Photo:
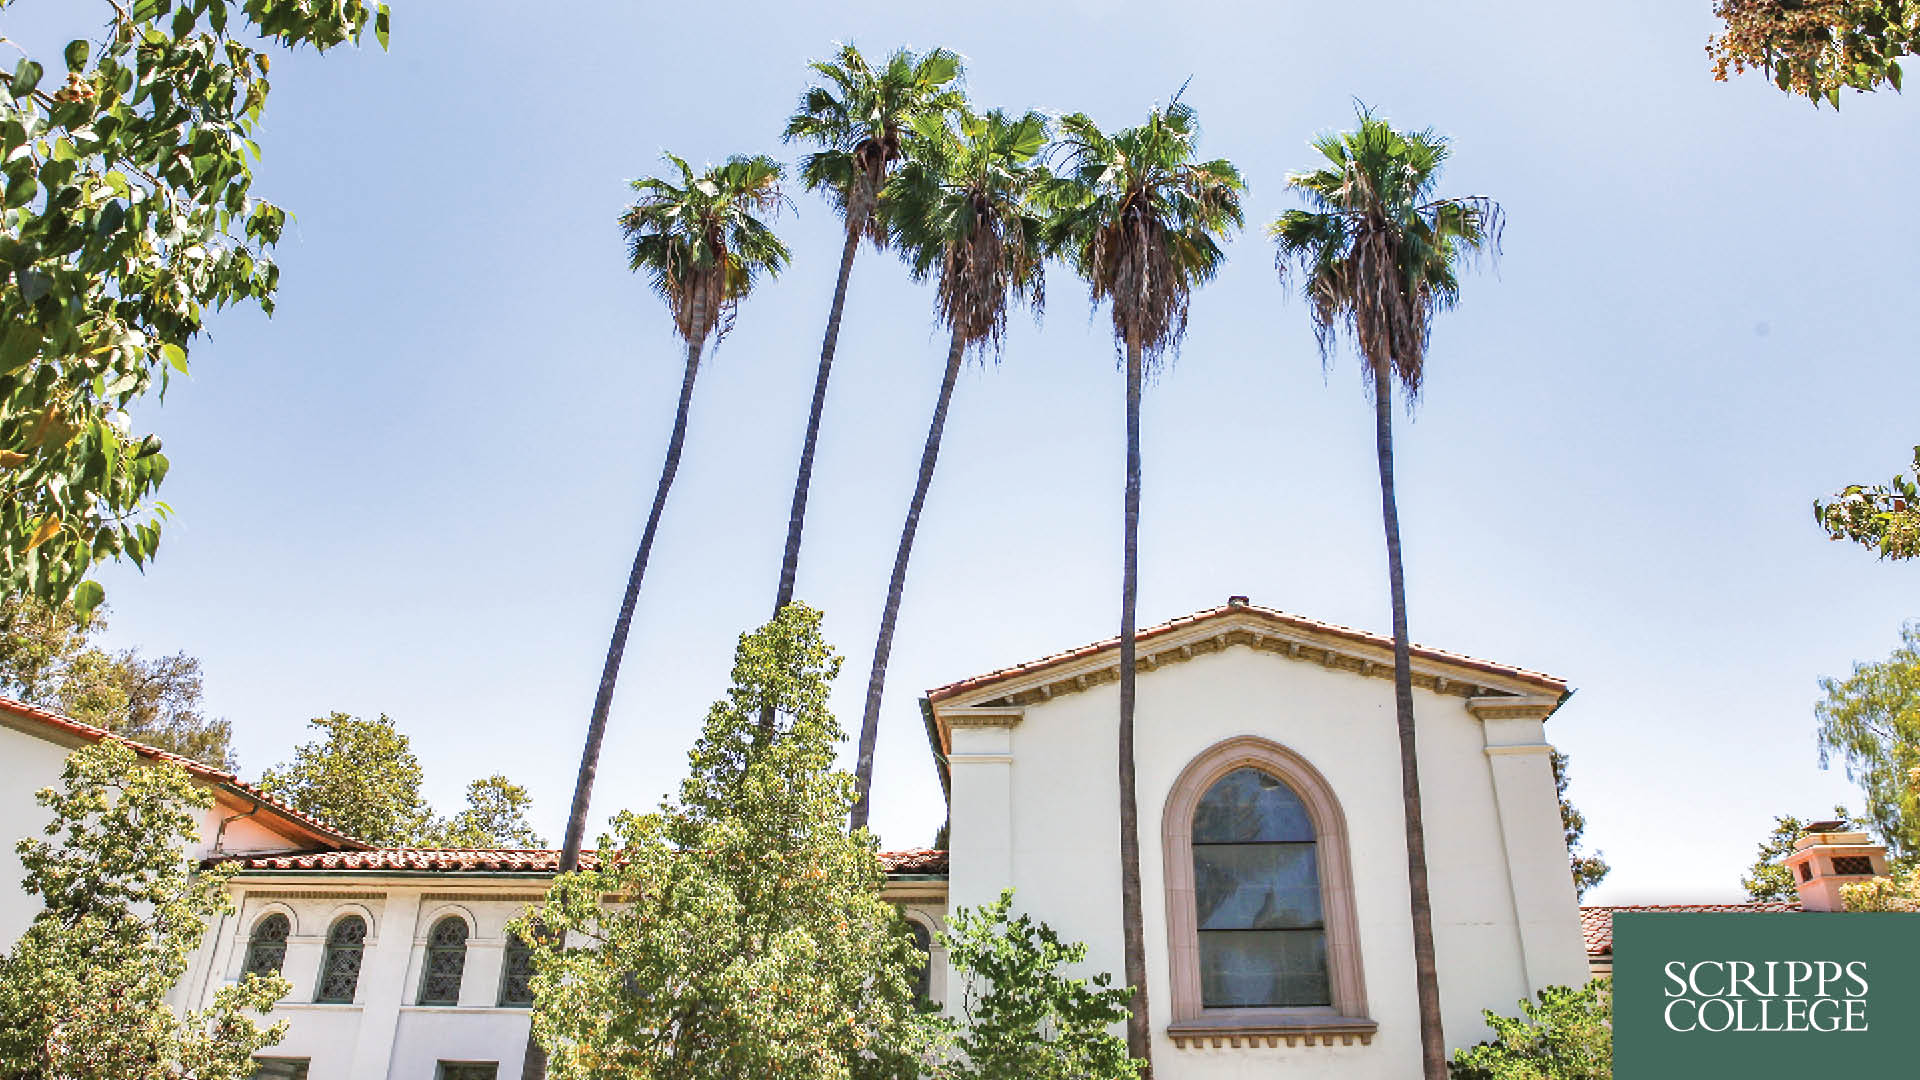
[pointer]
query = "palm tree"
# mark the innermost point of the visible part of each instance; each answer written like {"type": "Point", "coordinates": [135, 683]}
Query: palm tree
{"type": "Point", "coordinates": [858, 117]}
{"type": "Point", "coordinates": [703, 247]}
{"type": "Point", "coordinates": [960, 212]}
{"type": "Point", "coordinates": [1378, 255]}
{"type": "Point", "coordinates": [1140, 219]}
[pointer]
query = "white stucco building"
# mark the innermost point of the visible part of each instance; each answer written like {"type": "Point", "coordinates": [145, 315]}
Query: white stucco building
{"type": "Point", "coordinates": [1273, 858]}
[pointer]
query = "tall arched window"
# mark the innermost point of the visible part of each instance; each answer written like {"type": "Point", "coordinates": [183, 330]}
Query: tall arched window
{"type": "Point", "coordinates": [446, 962]}
{"type": "Point", "coordinates": [1261, 926]}
{"type": "Point", "coordinates": [340, 966]}
{"type": "Point", "coordinates": [516, 974]}
{"type": "Point", "coordinates": [923, 961]}
{"type": "Point", "coordinates": [1263, 941]}
{"type": "Point", "coordinates": [267, 947]}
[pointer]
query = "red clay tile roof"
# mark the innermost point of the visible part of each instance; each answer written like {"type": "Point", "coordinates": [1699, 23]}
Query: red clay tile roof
{"type": "Point", "coordinates": [46, 718]}
{"type": "Point", "coordinates": [1286, 619]}
{"type": "Point", "coordinates": [499, 860]}
{"type": "Point", "coordinates": [1596, 923]}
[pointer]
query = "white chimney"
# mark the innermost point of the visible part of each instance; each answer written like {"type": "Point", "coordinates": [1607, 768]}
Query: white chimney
{"type": "Point", "coordinates": [1824, 861]}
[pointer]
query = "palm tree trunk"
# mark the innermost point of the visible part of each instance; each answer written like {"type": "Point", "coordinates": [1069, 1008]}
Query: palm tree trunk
{"type": "Point", "coordinates": [1139, 1030]}
{"type": "Point", "coordinates": [803, 482]}
{"type": "Point", "coordinates": [535, 1063]}
{"type": "Point", "coordinates": [1433, 1042]}
{"type": "Point", "coordinates": [883, 645]}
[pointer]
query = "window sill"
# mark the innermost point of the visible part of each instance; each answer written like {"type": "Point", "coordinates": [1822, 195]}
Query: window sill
{"type": "Point", "coordinates": [1253, 1029]}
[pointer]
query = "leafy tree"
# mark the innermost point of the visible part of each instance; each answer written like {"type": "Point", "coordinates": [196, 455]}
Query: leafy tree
{"type": "Point", "coordinates": [961, 212]}
{"type": "Point", "coordinates": [1768, 880]}
{"type": "Point", "coordinates": [859, 116]}
{"type": "Point", "coordinates": [495, 817]}
{"type": "Point", "coordinates": [751, 938]}
{"type": "Point", "coordinates": [83, 993]}
{"type": "Point", "coordinates": [1885, 517]}
{"type": "Point", "coordinates": [1871, 721]}
{"type": "Point", "coordinates": [703, 247]}
{"type": "Point", "coordinates": [1564, 1034]}
{"type": "Point", "coordinates": [47, 659]}
{"type": "Point", "coordinates": [129, 212]}
{"type": "Point", "coordinates": [1899, 892]}
{"type": "Point", "coordinates": [360, 776]}
{"type": "Point", "coordinates": [1140, 218]}
{"type": "Point", "coordinates": [1816, 47]}
{"type": "Point", "coordinates": [1588, 870]}
{"type": "Point", "coordinates": [1378, 254]}
{"type": "Point", "coordinates": [1020, 1018]}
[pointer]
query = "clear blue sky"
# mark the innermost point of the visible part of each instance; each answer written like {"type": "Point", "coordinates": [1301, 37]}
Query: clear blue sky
{"type": "Point", "coordinates": [416, 489]}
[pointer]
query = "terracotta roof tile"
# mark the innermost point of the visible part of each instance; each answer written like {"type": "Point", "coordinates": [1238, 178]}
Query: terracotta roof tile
{"type": "Point", "coordinates": [220, 777]}
{"type": "Point", "coordinates": [1299, 622]}
{"type": "Point", "coordinates": [498, 860]}
{"type": "Point", "coordinates": [1596, 923]}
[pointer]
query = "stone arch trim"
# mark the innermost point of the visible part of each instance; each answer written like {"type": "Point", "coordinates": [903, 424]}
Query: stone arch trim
{"type": "Point", "coordinates": [266, 908]}
{"type": "Point", "coordinates": [447, 911]}
{"type": "Point", "coordinates": [1195, 1024]}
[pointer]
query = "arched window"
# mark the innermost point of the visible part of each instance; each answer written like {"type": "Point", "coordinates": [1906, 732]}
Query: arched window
{"type": "Point", "coordinates": [340, 966]}
{"type": "Point", "coordinates": [516, 974]}
{"type": "Point", "coordinates": [267, 948]}
{"type": "Point", "coordinates": [1260, 916]}
{"type": "Point", "coordinates": [446, 962]}
{"type": "Point", "coordinates": [1263, 941]}
{"type": "Point", "coordinates": [923, 970]}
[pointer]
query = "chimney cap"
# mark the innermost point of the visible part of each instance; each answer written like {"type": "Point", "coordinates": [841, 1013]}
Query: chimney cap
{"type": "Point", "coordinates": [1823, 827]}
{"type": "Point", "coordinates": [1237, 600]}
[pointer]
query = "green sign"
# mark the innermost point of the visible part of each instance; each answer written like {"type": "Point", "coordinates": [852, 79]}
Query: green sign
{"type": "Point", "coordinates": [1765, 994]}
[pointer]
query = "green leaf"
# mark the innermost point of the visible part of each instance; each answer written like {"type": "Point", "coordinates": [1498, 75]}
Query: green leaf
{"type": "Point", "coordinates": [176, 356]}
{"type": "Point", "coordinates": [1893, 75]}
{"type": "Point", "coordinates": [77, 50]}
{"type": "Point", "coordinates": [381, 21]}
{"type": "Point", "coordinates": [85, 599]}
{"type": "Point", "coordinates": [26, 77]}
{"type": "Point", "coordinates": [21, 189]}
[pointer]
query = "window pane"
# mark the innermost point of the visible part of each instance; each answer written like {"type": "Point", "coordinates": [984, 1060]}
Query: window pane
{"type": "Point", "coordinates": [1256, 886]}
{"type": "Point", "coordinates": [1243, 968]}
{"type": "Point", "coordinates": [1249, 806]}
{"type": "Point", "coordinates": [469, 1070]}
{"type": "Point", "coordinates": [516, 974]}
{"type": "Point", "coordinates": [446, 962]}
{"type": "Point", "coordinates": [267, 949]}
{"type": "Point", "coordinates": [923, 968]}
{"type": "Point", "coordinates": [340, 968]}
{"type": "Point", "coordinates": [279, 1069]}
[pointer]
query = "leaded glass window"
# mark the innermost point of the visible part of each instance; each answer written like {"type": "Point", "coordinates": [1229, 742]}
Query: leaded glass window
{"type": "Point", "coordinates": [923, 961]}
{"type": "Point", "coordinates": [1263, 939]}
{"type": "Point", "coordinates": [446, 962]}
{"type": "Point", "coordinates": [467, 1070]}
{"type": "Point", "coordinates": [267, 948]}
{"type": "Point", "coordinates": [340, 967]}
{"type": "Point", "coordinates": [516, 974]}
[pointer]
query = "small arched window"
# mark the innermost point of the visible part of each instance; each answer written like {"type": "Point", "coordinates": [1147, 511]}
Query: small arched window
{"type": "Point", "coordinates": [267, 948]}
{"type": "Point", "coordinates": [923, 962]}
{"type": "Point", "coordinates": [446, 962]}
{"type": "Point", "coordinates": [516, 974]}
{"type": "Point", "coordinates": [340, 966]}
{"type": "Point", "coordinates": [1256, 878]}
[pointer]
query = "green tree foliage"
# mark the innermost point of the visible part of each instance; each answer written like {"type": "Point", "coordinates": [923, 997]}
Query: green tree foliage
{"type": "Point", "coordinates": [129, 213]}
{"type": "Point", "coordinates": [360, 776]}
{"type": "Point", "coordinates": [1588, 870]}
{"type": "Point", "coordinates": [1899, 892]}
{"type": "Point", "coordinates": [1020, 1017]}
{"type": "Point", "coordinates": [750, 939]}
{"type": "Point", "coordinates": [495, 817]}
{"type": "Point", "coordinates": [1564, 1034]}
{"type": "Point", "coordinates": [1816, 47]}
{"type": "Point", "coordinates": [1885, 517]}
{"type": "Point", "coordinates": [47, 659]}
{"type": "Point", "coordinates": [1871, 721]}
{"type": "Point", "coordinates": [83, 993]}
{"type": "Point", "coordinates": [1768, 880]}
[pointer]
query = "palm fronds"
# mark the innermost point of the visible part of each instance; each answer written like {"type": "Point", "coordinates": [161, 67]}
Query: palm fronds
{"type": "Point", "coordinates": [702, 242]}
